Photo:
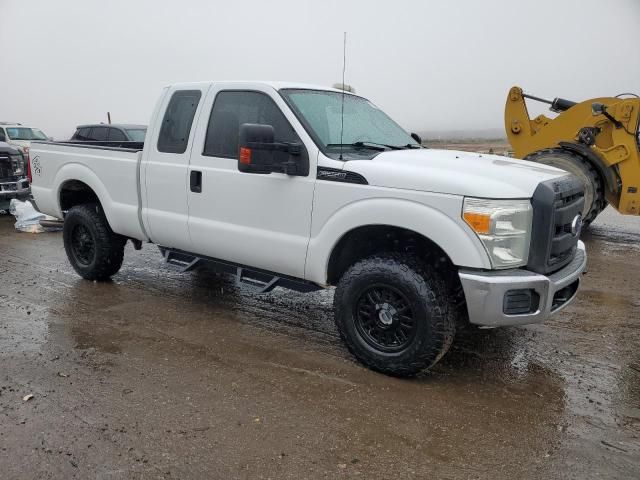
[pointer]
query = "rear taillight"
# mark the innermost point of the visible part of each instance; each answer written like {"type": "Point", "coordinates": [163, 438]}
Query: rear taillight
{"type": "Point", "coordinates": [29, 168]}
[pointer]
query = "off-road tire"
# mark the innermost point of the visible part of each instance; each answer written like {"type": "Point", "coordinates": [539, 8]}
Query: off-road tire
{"type": "Point", "coordinates": [433, 306]}
{"type": "Point", "coordinates": [594, 198]}
{"type": "Point", "coordinates": [108, 247]}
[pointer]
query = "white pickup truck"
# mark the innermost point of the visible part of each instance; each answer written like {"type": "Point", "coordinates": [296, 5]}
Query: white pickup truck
{"type": "Point", "coordinates": [307, 187]}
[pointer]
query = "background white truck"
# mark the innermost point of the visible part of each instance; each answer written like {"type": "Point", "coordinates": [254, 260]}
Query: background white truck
{"type": "Point", "coordinates": [307, 187]}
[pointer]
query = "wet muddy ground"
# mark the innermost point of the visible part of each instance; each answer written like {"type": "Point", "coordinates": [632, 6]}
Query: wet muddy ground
{"type": "Point", "coordinates": [159, 374]}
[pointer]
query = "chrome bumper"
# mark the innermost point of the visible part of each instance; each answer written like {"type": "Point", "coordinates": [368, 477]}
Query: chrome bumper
{"type": "Point", "coordinates": [485, 292]}
{"type": "Point", "coordinates": [6, 193]}
{"type": "Point", "coordinates": [13, 189]}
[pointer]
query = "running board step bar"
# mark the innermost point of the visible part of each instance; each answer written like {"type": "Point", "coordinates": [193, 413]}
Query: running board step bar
{"type": "Point", "coordinates": [244, 278]}
{"type": "Point", "coordinates": [259, 281]}
{"type": "Point", "coordinates": [184, 262]}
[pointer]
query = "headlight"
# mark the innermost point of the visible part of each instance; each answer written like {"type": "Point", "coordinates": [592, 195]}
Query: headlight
{"type": "Point", "coordinates": [17, 164]}
{"type": "Point", "coordinates": [504, 228]}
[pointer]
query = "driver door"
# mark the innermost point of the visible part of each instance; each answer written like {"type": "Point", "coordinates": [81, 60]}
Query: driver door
{"type": "Point", "coordinates": [258, 220]}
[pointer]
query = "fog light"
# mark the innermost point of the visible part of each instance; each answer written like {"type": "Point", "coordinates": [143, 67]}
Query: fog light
{"type": "Point", "coordinates": [520, 302]}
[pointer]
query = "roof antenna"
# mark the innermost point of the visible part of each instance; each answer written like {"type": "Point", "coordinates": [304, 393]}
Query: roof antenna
{"type": "Point", "coordinates": [344, 66]}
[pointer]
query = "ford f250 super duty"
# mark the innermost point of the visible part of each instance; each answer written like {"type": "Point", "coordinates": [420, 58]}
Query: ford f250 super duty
{"type": "Point", "coordinates": [307, 187]}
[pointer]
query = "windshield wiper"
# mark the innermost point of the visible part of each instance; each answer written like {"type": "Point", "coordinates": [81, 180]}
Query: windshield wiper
{"type": "Point", "coordinates": [367, 143]}
{"type": "Point", "coordinates": [380, 147]}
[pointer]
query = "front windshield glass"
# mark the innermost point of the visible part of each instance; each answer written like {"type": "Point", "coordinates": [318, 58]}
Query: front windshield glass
{"type": "Point", "coordinates": [137, 134]}
{"type": "Point", "coordinates": [24, 133]}
{"type": "Point", "coordinates": [367, 129]}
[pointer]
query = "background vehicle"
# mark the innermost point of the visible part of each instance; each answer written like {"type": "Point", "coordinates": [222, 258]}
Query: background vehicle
{"type": "Point", "coordinates": [261, 181]}
{"type": "Point", "coordinates": [110, 133]}
{"type": "Point", "coordinates": [13, 176]}
{"type": "Point", "coordinates": [597, 140]}
{"type": "Point", "coordinates": [20, 136]}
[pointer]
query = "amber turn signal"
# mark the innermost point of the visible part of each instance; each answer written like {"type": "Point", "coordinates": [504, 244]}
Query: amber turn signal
{"type": "Point", "coordinates": [245, 155]}
{"type": "Point", "coordinates": [481, 223]}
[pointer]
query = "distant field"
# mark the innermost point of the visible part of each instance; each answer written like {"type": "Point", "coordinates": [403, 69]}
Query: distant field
{"type": "Point", "coordinates": [498, 146]}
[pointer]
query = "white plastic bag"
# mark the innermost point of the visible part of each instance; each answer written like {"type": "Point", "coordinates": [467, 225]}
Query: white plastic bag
{"type": "Point", "coordinates": [27, 217]}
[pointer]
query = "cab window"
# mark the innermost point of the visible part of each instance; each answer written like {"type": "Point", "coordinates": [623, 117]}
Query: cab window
{"type": "Point", "coordinates": [99, 134]}
{"type": "Point", "coordinates": [82, 134]}
{"type": "Point", "coordinates": [116, 135]}
{"type": "Point", "coordinates": [177, 121]}
{"type": "Point", "coordinates": [231, 109]}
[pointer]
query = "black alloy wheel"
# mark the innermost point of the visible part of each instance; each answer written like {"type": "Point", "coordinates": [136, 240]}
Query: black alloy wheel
{"type": "Point", "coordinates": [384, 318]}
{"type": "Point", "coordinates": [93, 249]}
{"type": "Point", "coordinates": [83, 245]}
{"type": "Point", "coordinates": [395, 313]}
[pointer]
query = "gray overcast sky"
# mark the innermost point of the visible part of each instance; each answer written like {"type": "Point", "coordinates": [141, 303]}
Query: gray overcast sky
{"type": "Point", "coordinates": [432, 65]}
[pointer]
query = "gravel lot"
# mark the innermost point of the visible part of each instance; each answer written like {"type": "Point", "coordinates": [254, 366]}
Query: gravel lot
{"type": "Point", "coordinates": [159, 374]}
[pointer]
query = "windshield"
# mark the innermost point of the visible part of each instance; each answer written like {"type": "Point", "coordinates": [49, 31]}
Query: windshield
{"type": "Point", "coordinates": [25, 133]}
{"type": "Point", "coordinates": [136, 134]}
{"type": "Point", "coordinates": [367, 129]}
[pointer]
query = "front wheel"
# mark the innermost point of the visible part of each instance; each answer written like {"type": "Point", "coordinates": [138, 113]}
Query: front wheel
{"type": "Point", "coordinates": [93, 249]}
{"type": "Point", "coordinates": [394, 314]}
{"type": "Point", "coordinates": [594, 198]}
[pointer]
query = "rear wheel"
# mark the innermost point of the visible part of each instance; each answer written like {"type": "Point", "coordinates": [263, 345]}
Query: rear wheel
{"type": "Point", "coordinates": [93, 249]}
{"type": "Point", "coordinates": [395, 314]}
{"type": "Point", "coordinates": [594, 199]}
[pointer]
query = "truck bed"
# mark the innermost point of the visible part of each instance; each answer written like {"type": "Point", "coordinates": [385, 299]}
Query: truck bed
{"type": "Point", "coordinates": [110, 169]}
{"type": "Point", "coordinates": [104, 145]}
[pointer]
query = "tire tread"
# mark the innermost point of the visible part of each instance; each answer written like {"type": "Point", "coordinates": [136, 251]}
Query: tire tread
{"type": "Point", "coordinates": [109, 245]}
{"type": "Point", "coordinates": [421, 355]}
{"type": "Point", "coordinates": [599, 200]}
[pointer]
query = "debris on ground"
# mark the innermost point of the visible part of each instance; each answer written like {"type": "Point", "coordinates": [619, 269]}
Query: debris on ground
{"type": "Point", "coordinates": [29, 220]}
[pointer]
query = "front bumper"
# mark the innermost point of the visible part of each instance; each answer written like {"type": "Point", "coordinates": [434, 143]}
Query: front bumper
{"type": "Point", "coordinates": [10, 190]}
{"type": "Point", "coordinates": [487, 299]}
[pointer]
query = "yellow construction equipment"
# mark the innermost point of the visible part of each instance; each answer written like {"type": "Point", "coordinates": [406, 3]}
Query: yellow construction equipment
{"type": "Point", "coordinates": [598, 140]}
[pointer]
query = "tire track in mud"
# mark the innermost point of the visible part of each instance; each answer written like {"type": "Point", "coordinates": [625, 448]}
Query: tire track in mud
{"type": "Point", "coordinates": [310, 311]}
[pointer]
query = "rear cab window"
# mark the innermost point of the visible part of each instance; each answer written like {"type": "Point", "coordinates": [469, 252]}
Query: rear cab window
{"type": "Point", "coordinates": [116, 135]}
{"type": "Point", "coordinates": [98, 134]}
{"type": "Point", "coordinates": [177, 121]}
{"type": "Point", "coordinates": [82, 134]}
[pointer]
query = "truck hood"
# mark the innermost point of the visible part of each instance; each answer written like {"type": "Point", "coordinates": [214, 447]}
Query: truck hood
{"type": "Point", "coordinates": [5, 148]}
{"type": "Point", "coordinates": [21, 143]}
{"type": "Point", "coordinates": [458, 173]}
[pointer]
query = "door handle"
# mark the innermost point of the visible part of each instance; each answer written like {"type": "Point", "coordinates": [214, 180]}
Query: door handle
{"type": "Point", "coordinates": [195, 181]}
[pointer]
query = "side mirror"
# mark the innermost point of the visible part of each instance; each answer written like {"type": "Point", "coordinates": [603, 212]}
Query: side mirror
{"type": "Point", "coordinates": [2, 137]}
{"type": "Point", "coordinates": [417, 138]}
{"type": "Point", "coordinates": [258, 152]}
{"type": "Point", "coordinates": [253, 157]}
